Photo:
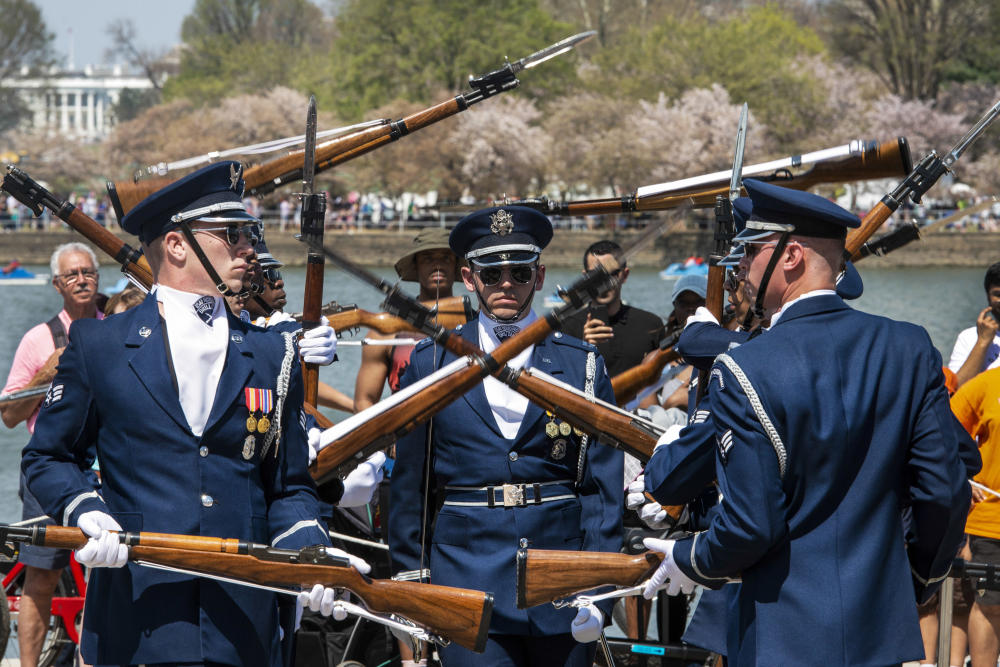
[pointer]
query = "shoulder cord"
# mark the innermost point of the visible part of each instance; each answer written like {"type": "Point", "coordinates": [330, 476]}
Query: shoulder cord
{"type": "Point", "coordinates": [588, 389]}
{"type": "Point", "coordinates": [758, 408]}
{"type": "Point", "coordinates": [282, 382]}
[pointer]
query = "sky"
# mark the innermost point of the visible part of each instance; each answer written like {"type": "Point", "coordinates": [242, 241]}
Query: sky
{"type": "Point", "coordinates": [82, 23]}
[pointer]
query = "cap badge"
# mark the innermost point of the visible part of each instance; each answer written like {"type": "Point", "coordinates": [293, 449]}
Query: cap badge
{"type": "Point", "coordinates": [234, 176]}
{"type": "Point", "coordinates": [503, 223]}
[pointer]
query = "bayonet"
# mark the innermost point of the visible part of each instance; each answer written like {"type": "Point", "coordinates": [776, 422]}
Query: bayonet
{"type": "Point", "coordinates": [313, 220]}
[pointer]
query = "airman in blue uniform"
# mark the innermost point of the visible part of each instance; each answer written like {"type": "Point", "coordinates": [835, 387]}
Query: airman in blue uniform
{"type": "Point", "coordinates": [196, 419]}
{"type": "Point", "coordinates": [824, 428]}
{"type": "Point", "coordinates": [505, 474]}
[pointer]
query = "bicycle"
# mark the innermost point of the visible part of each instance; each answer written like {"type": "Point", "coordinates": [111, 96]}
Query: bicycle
{"type": "Point", "coordinates": [66, 609]}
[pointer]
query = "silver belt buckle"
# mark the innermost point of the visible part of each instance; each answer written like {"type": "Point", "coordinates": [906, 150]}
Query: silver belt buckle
{"type": "Point", "coordinates": [513, 495]}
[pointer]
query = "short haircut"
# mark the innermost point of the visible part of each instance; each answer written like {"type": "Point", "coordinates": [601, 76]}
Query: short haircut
{"type": "Point", "coordinates": [605, 247]}
{"type": "Point", "coordinates": [992, 276]}
{"type": "Point", "coordinates": [70, 247]}
{"type": "Point", "coordinates": [129, 297]}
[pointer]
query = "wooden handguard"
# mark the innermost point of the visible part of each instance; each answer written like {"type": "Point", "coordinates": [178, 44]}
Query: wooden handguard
{"type": "Point", "coordinates": [545, 576]}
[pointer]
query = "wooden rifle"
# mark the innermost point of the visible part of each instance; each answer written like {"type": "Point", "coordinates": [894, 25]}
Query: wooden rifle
{"type": "Point", "coordinates": [455, 614]}
{"type": "Point", "coordinates": [30, 193]}
{"type": "Point", "coordinates": [920, 179]}
{"type": "Point", "coordinates": [313, 223]}
{"type": "Point", "coordinates": [856, 161]}
{"type": "Point", "coordinates": [265, 178]}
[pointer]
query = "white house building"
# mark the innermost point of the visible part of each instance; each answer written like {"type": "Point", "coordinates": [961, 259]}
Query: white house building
{"type": "Point", "coordinates": [76, 104]}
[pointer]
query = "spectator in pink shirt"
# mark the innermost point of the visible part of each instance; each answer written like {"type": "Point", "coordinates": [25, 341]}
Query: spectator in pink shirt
{"type": "Point", "coordinates": [74, 276]}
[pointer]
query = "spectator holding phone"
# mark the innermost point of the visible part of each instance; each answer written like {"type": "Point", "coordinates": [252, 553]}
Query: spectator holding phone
{"type": "Point", "coordinates": [978, 348]}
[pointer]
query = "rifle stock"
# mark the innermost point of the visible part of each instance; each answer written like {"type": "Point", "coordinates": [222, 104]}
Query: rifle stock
{"type": "Point", "coordinates": [631, 381]}
{"type": "Point", "coordinates": [546, 575]}
{"type": "Point", "coordinates": [458, 614]}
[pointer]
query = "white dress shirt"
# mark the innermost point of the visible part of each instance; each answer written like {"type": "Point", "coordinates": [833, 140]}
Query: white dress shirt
{"type": "Point", "coordinates": [508, 406]}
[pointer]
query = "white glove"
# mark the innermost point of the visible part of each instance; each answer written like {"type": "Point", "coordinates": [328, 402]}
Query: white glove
{"type": "Point", "coordinates": [672, 433]}
{"type": "Point", "coordinates": [322, 599]}
{"type": "Point", "coordinates": [360, 483]}
{"type": "Point", "coordinates": [636, 493]}
{"type": "Point", "coordinates": [702, 314]}
{"type": "Point", "coordinates": [359, 564]}
{"type": "Point", "coordinates": [667, 572]}
{"type": "Point", "coordinates": [318, 345]}
{"type": "Point", "coordinates": [312, 439]}
{"type": "Point", "coordinates": [277, 317]}
{"type": "Point", "coordinates": [587, 625]}
{"type": "Point", "coordinates": [103, 548]}
{"type": "Point", "coordinates": [653, 515]}
{"type": "Point", "coordinates": [413, 663]}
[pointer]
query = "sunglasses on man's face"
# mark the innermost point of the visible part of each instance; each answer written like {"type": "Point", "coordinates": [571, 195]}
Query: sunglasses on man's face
{"type": "Point", "coordinates": [233, 231]}
{"type": "Point", "coordinates": [271, 276]}
{"type": "Point", "coordinates": [520, 274]}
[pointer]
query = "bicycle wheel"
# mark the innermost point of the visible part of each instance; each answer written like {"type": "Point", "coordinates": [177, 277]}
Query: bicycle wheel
{"type": "Point", "coordinates": [56, 638]}
{"type": "Point", "coordinates": [4, 625]}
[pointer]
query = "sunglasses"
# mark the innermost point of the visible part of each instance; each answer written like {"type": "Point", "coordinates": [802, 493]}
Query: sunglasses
{"type": "Point", "coordinates": [252, 233]}
{"type": "Point", "coordinates": [271, 276]}
{"type": "Point", "coordinates": [520, 274]}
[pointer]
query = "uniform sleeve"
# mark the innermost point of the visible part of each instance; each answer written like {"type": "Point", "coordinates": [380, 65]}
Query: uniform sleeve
{"type": "Point", "coordinates": [700, 343]}
{"type": "Point", "coordinates": [601, 491]}
{"type": "Point", "coordinates": [750, 519]}
{"type": "Point", "coordinates": [293, 513]}
{"type": "Point", "coordinates": [681, 470]}
{"type": "Point", "coordinates": [56, 458]}
{"type": "Point", "coordinates": [406, 513]}
{"type": "Point", "coordinates": [938, 488]}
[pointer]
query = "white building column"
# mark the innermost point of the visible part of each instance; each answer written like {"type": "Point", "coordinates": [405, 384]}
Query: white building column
{"type": "Point", "coordinates": [63, 111]}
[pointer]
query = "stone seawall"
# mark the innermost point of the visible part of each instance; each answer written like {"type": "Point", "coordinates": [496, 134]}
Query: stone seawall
{"type": "Point", "coordinates": [977, 249]}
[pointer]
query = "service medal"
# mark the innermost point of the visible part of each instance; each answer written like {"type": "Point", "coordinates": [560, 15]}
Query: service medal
{"type": "Point", "coordinates": [248, 447]}
{"type": "Point", "coordinates": [565, 429]}
{"type": "Point", "coordinates": [551, 429]}
{"type": "Point", "coordinates": [263, 424]}
{"type": "Point", "coordinates": [558, 449]}
{"type": "Point", "coordinates": [251, 424]}
{"type": "Point", "coordinates": [577, 432]}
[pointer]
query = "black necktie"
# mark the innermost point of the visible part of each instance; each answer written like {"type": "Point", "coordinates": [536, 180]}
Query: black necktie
{"type": "Point", "coordinates": [505, 331]}
{"type": "Point", "coordinates": [204, 307]}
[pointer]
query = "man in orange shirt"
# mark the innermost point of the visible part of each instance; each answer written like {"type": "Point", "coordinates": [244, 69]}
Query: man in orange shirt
{"type": "Point", "coordinates": [977, 406]}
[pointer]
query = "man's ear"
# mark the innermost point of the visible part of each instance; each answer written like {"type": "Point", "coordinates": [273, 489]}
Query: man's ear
{"type": "Point", "coordinates": [539, 277]}
{"type": "Point", "coordinates": [467, 278]}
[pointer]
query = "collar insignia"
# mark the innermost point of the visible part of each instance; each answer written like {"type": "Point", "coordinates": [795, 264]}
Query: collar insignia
{"type": "Point", "coordinates": [145, 331]}
{"type": "Point", "coordinates": [503, 223]}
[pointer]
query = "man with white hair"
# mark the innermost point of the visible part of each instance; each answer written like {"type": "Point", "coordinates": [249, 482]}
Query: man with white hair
{"type": "Point", "coordinates": [74, 276]}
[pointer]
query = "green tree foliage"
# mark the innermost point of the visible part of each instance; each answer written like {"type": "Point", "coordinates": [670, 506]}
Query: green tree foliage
{"type": "Point", "coordinates": [24, 42]}
{"type": "Point", "coordinates": [386, 50]}
{"type": "Point", "coordinates": [910, 44]}
{"type": "Point", "coordinates": [753, 54]}
{"type": "Point", "coordinates": [247, 46]}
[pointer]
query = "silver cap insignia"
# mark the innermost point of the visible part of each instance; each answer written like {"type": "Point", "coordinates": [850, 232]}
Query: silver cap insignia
{"type": "Point", "coordinates": [503, 223]}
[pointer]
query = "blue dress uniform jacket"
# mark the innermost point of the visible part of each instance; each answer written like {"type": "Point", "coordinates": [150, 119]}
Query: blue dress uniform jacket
{"type": "Point", "coordinates": [825, 427]}
{"type": "Point", "coordinates": [117, 394]}
{"type": "Point", "coordinates": [476, 547]}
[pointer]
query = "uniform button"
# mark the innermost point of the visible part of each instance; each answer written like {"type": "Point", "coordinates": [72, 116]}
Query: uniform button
{"type": "Point", "coordinates": [558, 334]}
{"type": "Point", "coordinates": [512, 456]}
{"type": "Point", "coordinates": [523, 543]}
{"type": "Point", "coordinates": [203, 450]}
{"type": "Point", "coordinates": [207, 500]}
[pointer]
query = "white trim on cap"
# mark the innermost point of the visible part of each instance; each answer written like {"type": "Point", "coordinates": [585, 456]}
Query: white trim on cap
{"type": "Point", "coordinates": [758, 229]}
{"type": "Point", "coordinates": [493, 250]}
{"type": "Point", "coordinates": [199, 213]}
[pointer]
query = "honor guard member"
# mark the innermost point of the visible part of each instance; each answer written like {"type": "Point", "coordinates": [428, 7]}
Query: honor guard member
{"type": "Point", "coordinates": [824, 427]}
{"type": "Point", "coordinates": [195, 416]}
{"type": "Point", "coordinates": [505, 474]}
